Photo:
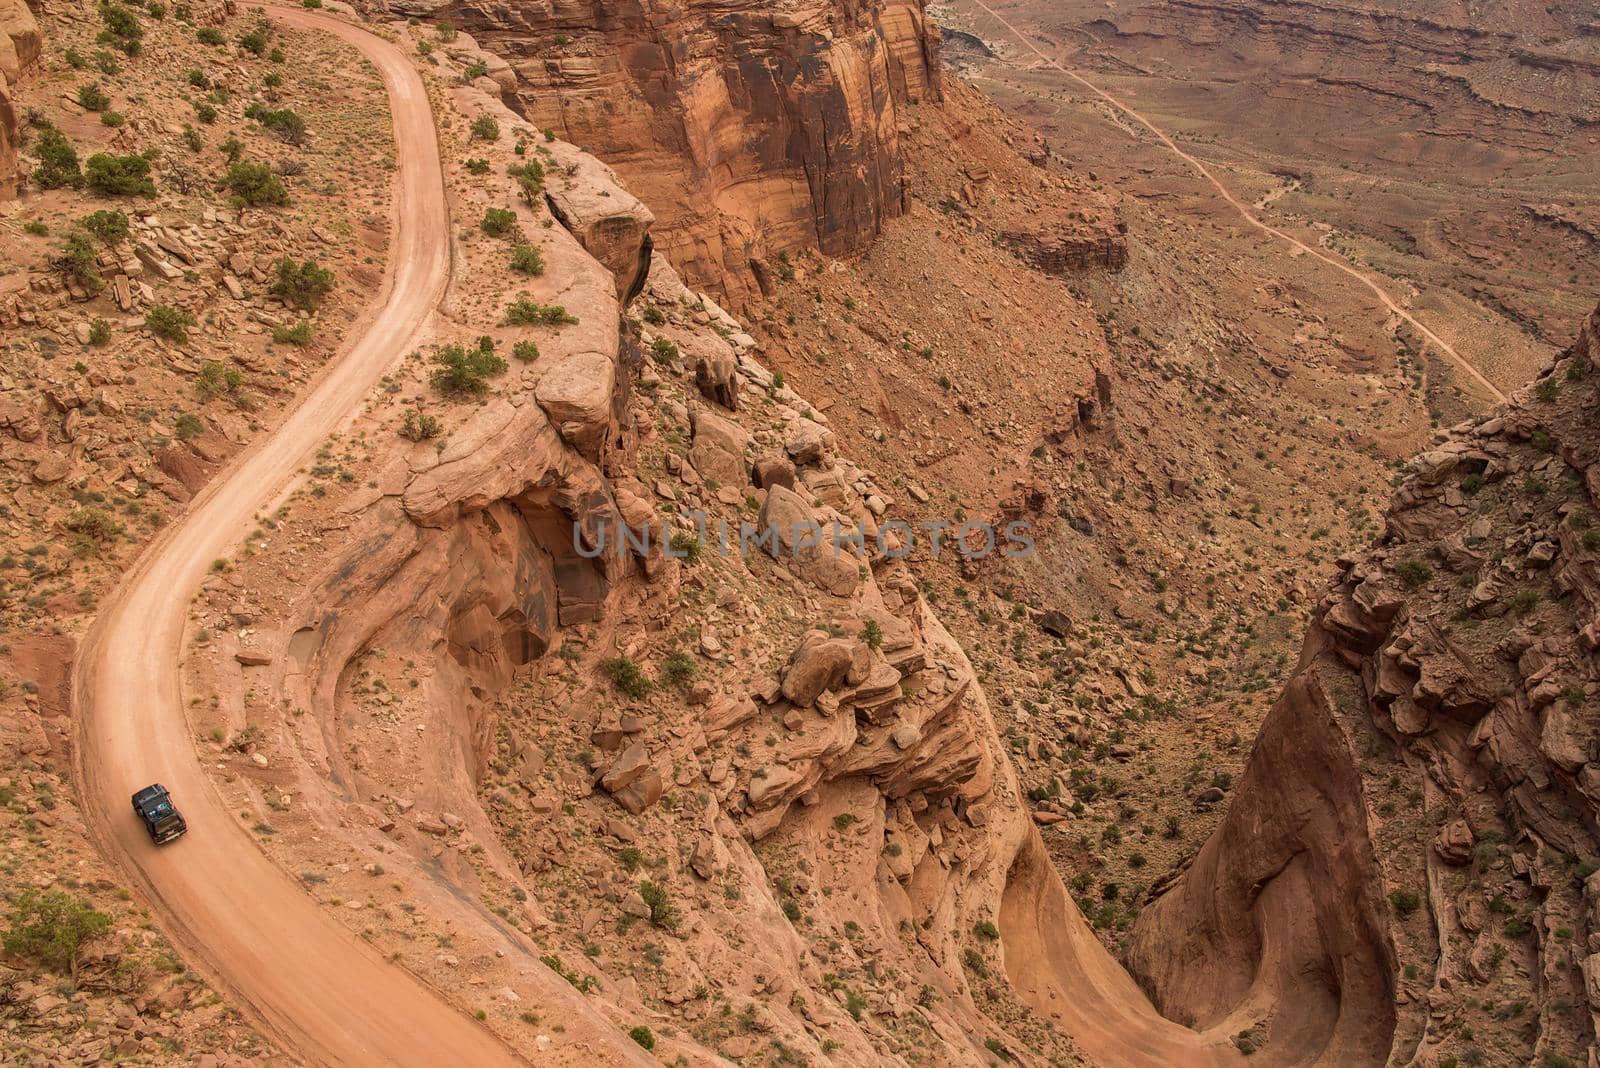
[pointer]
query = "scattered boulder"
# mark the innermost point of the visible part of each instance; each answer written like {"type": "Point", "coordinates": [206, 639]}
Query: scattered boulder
{"type": "Point", "coordinates": [717, 378]}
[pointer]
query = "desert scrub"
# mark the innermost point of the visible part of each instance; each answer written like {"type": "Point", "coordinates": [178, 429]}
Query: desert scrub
{"type": "Point", "coordinates": [58, 160]}
{"type": "Point", "coordinates": [163, 320]}
{"type": "Point", "coordinates": [527, 259]}
{"type": "Point", "coordinates": [301, 285]}
{"type": "Point", "coordinates": [627, 676]}
{"type": "Point", "coordinates": [499, 222]}
{"type": "Point", "coordinates": [462, 372]}
{"type": "Point", "coordinates": [485, 128]}
{"type": "Point", "coordinates": [417, 426]}
{"type": "Point", "coordinates": [109, 226]}
{"type": "Point", "coordinates": [119, 176]}
{"type": "Point", "coordinates": [527, 312]}
{"type": "Point", "coordinates": [52, 927]}
{"type": "Point", "coordinates": [298, 334]}
{"type": "Point", "coordinates": [253, 185]}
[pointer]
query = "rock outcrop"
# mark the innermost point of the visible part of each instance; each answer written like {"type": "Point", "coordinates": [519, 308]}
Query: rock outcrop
{"type": "Point", "coordinates": [748, 129]}
{"type": "Point", "coordinates": [1430, 765]}
{"type": "Point", "coordinates": [20, 43]}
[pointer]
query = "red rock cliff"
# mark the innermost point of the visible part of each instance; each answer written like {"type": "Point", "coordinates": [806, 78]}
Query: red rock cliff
{"type": "Point", "coordinates": [19, 49]}
{"type": "Point", "coordinates": [749, 128]}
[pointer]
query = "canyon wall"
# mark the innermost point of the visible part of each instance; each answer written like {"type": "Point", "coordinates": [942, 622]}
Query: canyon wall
{"type": "Point", "coordinates": [749, 129]}
{"type": "Point", "coordinates": [1412, 848]}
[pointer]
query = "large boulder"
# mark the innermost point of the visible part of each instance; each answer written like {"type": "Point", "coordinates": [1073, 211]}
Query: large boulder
{"type": "Point", "coordinates": [717, 451]}
{"type": "Point", "coordinates": [802, 539]}
{"type": "Point", "coordinates": [823, 663]}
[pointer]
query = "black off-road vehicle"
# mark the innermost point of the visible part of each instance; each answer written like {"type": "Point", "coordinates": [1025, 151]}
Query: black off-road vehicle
{"type": "Point", "coordinates": [154, 806]}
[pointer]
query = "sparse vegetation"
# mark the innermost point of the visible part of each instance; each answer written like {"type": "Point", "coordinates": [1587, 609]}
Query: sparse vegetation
{"type": "Point", "coordinates": [526, 312]}
{"type": "Point", "coordinates": [300, 284]}
{"type": "Point", "coordinates": [166, 321]}
{"type": "Point", "coordinates": [51, 926]}
{"type": "Point", "coordinates": [463, 372]}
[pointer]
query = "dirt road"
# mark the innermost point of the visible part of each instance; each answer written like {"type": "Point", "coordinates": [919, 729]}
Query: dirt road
{"type": "Point", "coordinates": [320, 990]}
{"type": "Point", "coordinates": [1249, 216]}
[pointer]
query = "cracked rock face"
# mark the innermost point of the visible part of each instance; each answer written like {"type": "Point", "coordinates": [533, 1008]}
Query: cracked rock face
{"type": "Point", "coordinates": [1413, 840]}
{"type": "Point", "coordinates": [748, 130]}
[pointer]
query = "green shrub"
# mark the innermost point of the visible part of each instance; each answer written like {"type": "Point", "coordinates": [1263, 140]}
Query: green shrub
{"type": "Point", "coordinates": [1405, 902]}
{"type": "Point", "coordinates": [99, 332]}
{"type": "Point", "coordinates": [107, 63]}
{"type": "Point", "coordinates": [654, 315]}
{"type": "Point", "coordinates": [485, 128]}
{"type": "Point", "coordinates": [987, 931]}
{"type": "Point", "coordinates": [301, 285]}
{"type": "Point", "coordinates": [665, 350]}
{"type": "Point", "coordinates": [36, 228]}
{"type": "Point", "coordinates": [686, 547]}
{"type": "Point", "coordinates": [285, 122]}
{"type": "Point", "coordinates": [526, 351]}
{"type": "Point", "coordinates": [255, 41]}
{"type": "Point", "coordinates": [78, 264]}
{"type": "Point", "coordinates": [198, 79]}
{"type": "Point", "coordinates": [475, 70]}
{"type": "Point", "coordinates": [662, 912]}
{"type": "Point", "coordinates": [530, 180]}
{"type": "Point", "coordinates": [419, 427]}
{"type": "Point", "coordinates": [626, 675]}
{"type": "Point", "coordinates": [119, 176]}
{"type": "Point", "coordinates": [461, 372]}
{"type": "Point", "coordinates": [476, 166]}
{"type": "Point", "coordinates": [192, 138]}
{"type": "Point", "coordinates": [679, 668]}
{"type": "Point", "coordinates": [122, 28]}
{"type": "Point", "coordinates": [205, 112]}
{"type": "Point", "coordinates": [643, 1036]}
{"type": "Point", "coordinates": [209, 35]}
{"type": "Point", "coordinates": [1414, 573]}
{"type": "Point", "coordinates": [108, 226]}
{"type": "Point", "coordinates": [527, 259]}
{"type": "Point", "coordinates": [254, 185]}
{"type": "Point", "coordinates": [498, 222]}
{"type": "Point", "coordinates": [58, 161]}
{"type": "Point", "coordinates": [51, 927]}
{"type": "Point", "coordinates": [526, 312]}
{"type": "Point", "coordinates": [298, 334]}
{"type": "Point", "coordinates": [96, 524]}
{"type": "Point", "coordinates": [216, 379]}
{"type": "Point", "coordinates": [93, 98]}
{"type": "Point", "coordinates": [112, 119]}
{"type": "Point", "coordinates": [188, 426]}
{"type": "Point", "coordinates": [164, 320]}
{"type": "Point", "coordinates": [872, 634]}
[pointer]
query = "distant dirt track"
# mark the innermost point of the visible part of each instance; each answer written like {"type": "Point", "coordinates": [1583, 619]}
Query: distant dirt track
{"type": "Point", "coordinates": [1249, 216]}
{"type": "Point", "coordinates": [317, 988]}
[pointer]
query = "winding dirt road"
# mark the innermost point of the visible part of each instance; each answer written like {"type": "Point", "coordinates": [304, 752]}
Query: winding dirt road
{"type": "Point", "coordinates": [1249, 216]}
{"type": "Point", "coordinates": [318, 989]}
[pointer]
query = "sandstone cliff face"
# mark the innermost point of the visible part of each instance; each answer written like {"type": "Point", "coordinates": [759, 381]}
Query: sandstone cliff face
{"type": "Point", "coordinates": [749, 129]}
{"type": "Point", "coordinates": [1417, 825]}
{"type": "Point", "coordinates": [20, 43]}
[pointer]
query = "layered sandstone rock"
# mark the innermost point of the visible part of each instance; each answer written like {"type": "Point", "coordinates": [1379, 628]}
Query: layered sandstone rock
{"type": "Point", "coordinates": [748, 129]}
{"type": "Point", "coordinates": [1414, 837]}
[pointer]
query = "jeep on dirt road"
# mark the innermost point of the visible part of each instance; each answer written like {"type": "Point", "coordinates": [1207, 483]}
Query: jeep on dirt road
{"type": "Point", "coordinates": [154, 806]}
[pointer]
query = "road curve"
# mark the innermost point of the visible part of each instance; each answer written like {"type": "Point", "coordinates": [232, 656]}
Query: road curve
{"type": "Point", "coordinates": [317, 988]}
{"type": "Point", "coordinates": [1248, 215]}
